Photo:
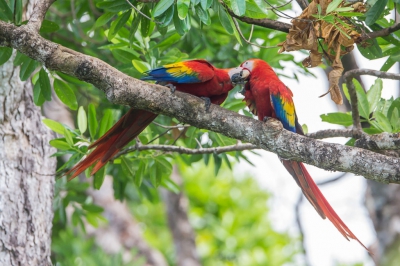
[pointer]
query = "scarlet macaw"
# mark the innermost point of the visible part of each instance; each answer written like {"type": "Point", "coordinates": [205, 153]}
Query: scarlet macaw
{"type": "Point", "coordinates": [197, 77]}
{"type": "Point", "coordinates": [267, 96]}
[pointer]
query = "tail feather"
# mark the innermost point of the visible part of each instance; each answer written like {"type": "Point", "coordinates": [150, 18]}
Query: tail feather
{"type": "Point", "coordinates": [316, 198]}
{"type": "Point", "coordinates": [124, 131]}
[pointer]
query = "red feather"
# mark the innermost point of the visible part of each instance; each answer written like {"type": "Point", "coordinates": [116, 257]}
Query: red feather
{"type": "Point", "coordinates": [216, 87]}
{"type": "Point", "coordinates": [261, 84]}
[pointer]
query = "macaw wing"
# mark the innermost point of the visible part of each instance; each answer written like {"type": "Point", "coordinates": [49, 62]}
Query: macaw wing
{"type": "Point", "coordinates": [192, 71]}
{"type": "Point", "coordinates": [282, 102]}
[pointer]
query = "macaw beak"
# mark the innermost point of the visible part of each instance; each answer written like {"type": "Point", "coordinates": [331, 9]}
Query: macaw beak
{"type": "Point", "coordinates": [240, 77]}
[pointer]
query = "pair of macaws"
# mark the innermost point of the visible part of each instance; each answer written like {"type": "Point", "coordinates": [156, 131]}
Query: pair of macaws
{"type": "Point", "coordinates": [265, 95]}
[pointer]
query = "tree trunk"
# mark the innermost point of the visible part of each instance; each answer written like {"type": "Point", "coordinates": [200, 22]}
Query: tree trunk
{"type": "Point", "coordinates": [26, 175]}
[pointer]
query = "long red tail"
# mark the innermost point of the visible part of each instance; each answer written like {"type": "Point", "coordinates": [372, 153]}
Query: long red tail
{"type": "Point", "coordinates": [316, 198]}
{"type": "Point", "coordinates": [125, 130]}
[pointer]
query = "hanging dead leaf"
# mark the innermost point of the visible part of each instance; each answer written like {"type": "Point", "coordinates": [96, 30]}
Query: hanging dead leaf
{"type": "Point", "coordinates": [338, 37]}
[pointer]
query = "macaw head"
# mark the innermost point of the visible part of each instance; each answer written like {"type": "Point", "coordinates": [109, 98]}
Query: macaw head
{"type": "Point", "coordinates": [236, 75]}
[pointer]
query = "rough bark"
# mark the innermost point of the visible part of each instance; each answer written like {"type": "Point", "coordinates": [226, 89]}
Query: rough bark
{"type": "Point", "coordinates": [26, 172]}
{"type": "Point", "coordinates": [26, 175]}
{"type": "Point", "coordinates": [123, 232]}
{"type": "Point", "coordinates": [178, 222]}
{"type": "Point", "coordinates": [122, 89]}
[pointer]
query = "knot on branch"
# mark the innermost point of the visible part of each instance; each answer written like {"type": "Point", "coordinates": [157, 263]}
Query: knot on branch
{"type": "Point", "coordinates": [84, 69]}
{"type": "Point", "coordinates": [273, 127]}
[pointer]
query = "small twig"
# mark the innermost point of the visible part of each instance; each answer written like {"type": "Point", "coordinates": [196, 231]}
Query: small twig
{"type": "Point", "coordinates": [248, 41]}
{"type": "Point", "coordinates": [266, 23]}
{"type": "Point", "coordinates": [180, 134]}
{"type": "Point", "coordinates": [159, 136]}
{"type": "Point", "coordinates": [380, 33]}
{"type": "Point", "coordinates": [182, 150]}
{"type": "Point", "coordinates": [331, 133]}
{"type": "Point", "coordinates": [170, 127]}
{"type": "Point", "coordinates": [38, 14]}
{"type": "Point", "coordinates": [141, 13]}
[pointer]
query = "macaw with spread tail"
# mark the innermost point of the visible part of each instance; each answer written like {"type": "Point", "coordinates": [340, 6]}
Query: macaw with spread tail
{"type": "Point", "coordinates": [197, 77]}
{"type": "Point", "coordinates": [266, 96]}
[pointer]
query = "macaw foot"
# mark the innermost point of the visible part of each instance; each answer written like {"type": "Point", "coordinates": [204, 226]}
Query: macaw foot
{"type": "Point", "coordinates": [172, 87]}
{"type": "Point", "coordinates": [207, 103]}
{"type": "Point", "coordinates": [266, 118]}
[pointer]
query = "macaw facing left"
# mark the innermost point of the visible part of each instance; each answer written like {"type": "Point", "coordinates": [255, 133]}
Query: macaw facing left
{"type": "Point", "coordinates": [266, 96]}
{"type": "Point", "coordinates": [197, 77]}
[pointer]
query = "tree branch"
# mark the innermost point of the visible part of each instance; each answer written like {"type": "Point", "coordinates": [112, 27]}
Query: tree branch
{"type": "Point", "coordinates": [383, 141]}
{"type": "Point", "coordinates": [265, 22]}
{"type": "Point", "coordinates": [38, 14]}
{"type": "Point", "coordinates": [348, 77]}
{"type": "Point", "coordinates": [302, 3]}
{"type": "Point", "coordinates": [331, 133]}
{"type": "Point", "coordinates": [380, 33]}
{"type": "Point", "coordinates": [183, 150]}
{"type": "Point", "coordinates": [122, 89]}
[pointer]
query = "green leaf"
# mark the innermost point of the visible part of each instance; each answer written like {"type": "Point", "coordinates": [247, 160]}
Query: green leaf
{"type": "Point", "coordinates": [18, 12]}
{"type": "Point", "coordinates": [167, 16]}
{"type": "Point", "coordinates": [45, 84]}
{"type": "Point", "coordinates": [70, 79]}
{"type": "Point", "coordinates": [179, 24]}
{"type": "Point", "coordinates": [99, 177]}
{"type": "Point", "coordinates": [374, 94]}
{"type": "Point", "coordinates": [370, 49]}
{"type": "Point", "coordinates": [5, 54]}
{"type": "Point", "coordinates": [127, 166]}
{"type": "Point", "coordinates": [60, 144]}
{"type": "Point", "coordinates": [167, 42]}
{"type": "Point", "coordinates": [5, 11]}
{"type": "Point", "coordinates": [103, 19]}
{"type": "Point", "coordinates": [205, 4]}
{"type": "Point", "coordinates": [105, 123]}
{"type": "Point", "coordinates": [363, 106]}
{"type": "Point", "coordinates": [38, 97]}
{"type": "Point", "coordinates": [332, 6]}
{"type": "Point", "coordinates": [238, 7]}
{"type": "Point", "coordinates": [383, 122]}
{"type": "Point", "coordinates": [19, 58]}
{"type": "Point", "coordinates": [68, 137]}
{"type": "Point", "coordinates": [161, 7]}
{"type": "Point", "coordinates": [346, 91]}
{"type": "Point", "coordinates": [65, 94]}
{"type": "Point", "coordinates": [54, 125]}
{"type": "Point", "coordinates": [203, 15]}
{"type": "Point", "coordinates": [49, 26]}
{"type": "Point", "coordinates": [92, 208]}
{"type": "Point", "coordinates": [395, 119]}
{"type": "Point", "coordinates": [145, 23]}
{"type": "Point", "coordinates": [343, 9]}
{"type": "Point", "coordinates": [343, 119]}
{"type": "Point", "coordinates": [141, 66]}
{"type": "Point", "coordinates": [117, 24]}
{"type": "Point", "coordinates": [82, 120]}
{"type": "Point", "coordinates": [375, 12]}
{"type": "Point", "coordinates": [93, 124]}
{"type": "Point", "coordinates": [217, 163]}
{"type": "Point", "coordinates": [393, 59]}
{"type": "Point", "coordinates": [27, 68]}
{"type": "Point", "coordinates": [138, 179]}
{"type": "Point", "coordinates": [183, 8]}
{"type": "Point", "coordinates": [224, 18]}
{"type": "Point", "coordinates": [114, 6]}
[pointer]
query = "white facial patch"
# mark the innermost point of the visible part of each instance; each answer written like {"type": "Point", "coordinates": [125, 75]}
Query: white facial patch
{"type": "Point", "coordinates": [234, 71]}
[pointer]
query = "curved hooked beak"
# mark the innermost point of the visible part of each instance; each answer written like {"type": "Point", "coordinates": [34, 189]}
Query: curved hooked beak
{"type": "Point", "coordinates": [240, 77]}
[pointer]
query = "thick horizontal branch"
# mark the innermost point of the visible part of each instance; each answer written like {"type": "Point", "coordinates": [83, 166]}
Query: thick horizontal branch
{"type": "Point", "coordinates": [122, 89]}
{"type": "Point", "coordinates": [383, 141]}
